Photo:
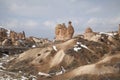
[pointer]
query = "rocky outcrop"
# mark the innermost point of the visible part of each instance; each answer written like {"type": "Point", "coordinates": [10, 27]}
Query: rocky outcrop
{"type": "Point", "coordinates": [89, 34]}
{"type": "Point", "coordinates": [70, 30]}
{"type": "Point", "coordinates": [60, 32]}
{"type": "Point", "coordinates": [3, 33]}
{"type": "Point", "coordinates": [64, 33]}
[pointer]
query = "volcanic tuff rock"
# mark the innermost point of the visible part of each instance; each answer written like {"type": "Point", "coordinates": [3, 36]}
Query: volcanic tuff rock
{"type": "Point", "coordinates": [64, 33]}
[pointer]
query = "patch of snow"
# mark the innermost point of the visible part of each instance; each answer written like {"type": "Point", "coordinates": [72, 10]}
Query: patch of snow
{"type": "Point", "coordinates": [1, 64]}
{"type": "Point", "coordinates": [109, 34]}
{"type": "Point", "coordinates": [84, 46]}
{"type": "Point", "coordinates": [62, 71]}
{"type": "Point", "coordinates": [20, 71]}
{"type": "Point", "coordinates": [44, 74]}
{"type": "Point", "coordinates": [33, 77]}
{"type": "Point", "coordinates": [54, 47]}
{"type": "Point", "coordinates": [24, 78]}
{"type": "Point", "coordinates": [33, 46]}
{"type": "Point", "coordinates": [78, 43]}
{"type": "Point", "coordinates": [77, 49]}
{"type": "Point", "coordinates": [78, 46]}
{"type": "Point", "coordinates": [8, 33]}
{"type": "Point", "coordinates": [5, 55]}
{"type": "Point", "coordinates": [59, 73]}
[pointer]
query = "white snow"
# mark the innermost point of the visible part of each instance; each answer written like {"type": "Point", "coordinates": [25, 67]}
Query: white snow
{"type": "Point", "coordinates": [78, 46]}
{"type": "Point", "coordinates": [44, 74]}
{"type": "Point", "coordinates": [24, 78]}
{"type": "Point", "coordinates": [54, 47]}
{"type": "Point", "coordinates": [84, 46]}
{"type": "Point", "coordinates": [8, 33]}
{"type": "Point", "coordinates": [33, 46]}
{"type": "Point", "coordinates": [77, 49]}
{"type": "Point", "coordinates": [62, 71]}
{"type": "Point", "coordinates": [109, 34]}
{"type": "Point", "coordinates": [5, 55]}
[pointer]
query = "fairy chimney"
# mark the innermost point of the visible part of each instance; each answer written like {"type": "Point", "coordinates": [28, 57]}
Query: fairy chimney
{"type": "Point", "coordinates": [24, 36]}
{"type": "Point", "coordinates": [70, 30]}
{"type": "Point", "coordinates": [88, 33]}
{"type": "Point", "coordinates": [21, 35]}
{"type": "Point", "coordinates": [88, 30]}
{"type": "Point", "coordinates": [13, 36]}
{"type": "Point", "coordinates": [64, 33]}
{"type": "Point", "coordinates": [60, 31]}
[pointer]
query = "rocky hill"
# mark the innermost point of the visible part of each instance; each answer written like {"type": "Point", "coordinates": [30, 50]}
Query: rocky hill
{"type": "Point", "coordinates": [89, 56]}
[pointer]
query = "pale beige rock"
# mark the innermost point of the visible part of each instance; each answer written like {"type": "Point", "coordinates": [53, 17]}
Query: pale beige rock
{"type": "Point", "coordinates": [88, 34]}
{"type": "Point", "coordinates": [57, 58]}
{"type": "Point", "coordinates": [66, 45]}
{"type": "Point", "coordinates": [97, 68]}
{"type": "Point", "coordinates": [21, 35]}
{"type": "Point", "coordinates": [5, 42]}
{"type": "Point", "coordinates": [64, 33]}
{"type": "Point", "coordinates": [88, 30]}
{"type": "Point", "coordinates": [59, 32]}
{"type": "Point", "coordinates": [13, 36]}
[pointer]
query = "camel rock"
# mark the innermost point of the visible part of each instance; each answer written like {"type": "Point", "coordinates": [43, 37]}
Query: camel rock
{"type": "Point", "coordinates": [64, 33]}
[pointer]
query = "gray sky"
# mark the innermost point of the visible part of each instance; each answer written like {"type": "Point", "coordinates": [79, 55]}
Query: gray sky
{"type": "Point", "coordinates": [39, 17]}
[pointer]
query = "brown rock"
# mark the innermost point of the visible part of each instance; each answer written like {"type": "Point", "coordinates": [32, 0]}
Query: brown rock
{"type": "Point", "coordinates": [3, 33]}
{"type": "Point", "coordinates": [64, 33]}
{"type": "Point", "coordinates": [21, 35]}
{"type": "Point", "coordinates": [88, 33]}
{"type": "Point", "coordinates": [60, 31]}
{"type": "Point", "coordinates": [88, 30]}
{"type": "Point", "coordinates": [13, 36]}
{"type": "Point", "coordinates": [70, 30]}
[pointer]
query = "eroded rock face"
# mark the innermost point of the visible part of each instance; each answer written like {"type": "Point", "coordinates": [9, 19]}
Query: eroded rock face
{"type": "Point", "coordinates": [88, 30]}
{"type": "Point", "coordinates": [60, 32]}
{"type": "Point", "coordinates": [3, 33]}
{"type": "Point", "coordinates": [13, 36]}
{"type": "Point", "coordinates": [21, 35]}
{"type": "Point", "coordinates": [64, 33]}
{"type": "Point", "coordinates": [70, 30]}
{"type": "Point", "coordinates": [88, 34]}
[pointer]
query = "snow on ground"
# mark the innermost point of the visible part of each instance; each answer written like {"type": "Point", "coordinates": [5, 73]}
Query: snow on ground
{"type": "Point", "coordinates": [7, 75]}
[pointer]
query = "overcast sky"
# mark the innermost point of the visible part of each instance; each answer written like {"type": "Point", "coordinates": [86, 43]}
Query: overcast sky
{"type": "Point", "coordinates": [39, 17]}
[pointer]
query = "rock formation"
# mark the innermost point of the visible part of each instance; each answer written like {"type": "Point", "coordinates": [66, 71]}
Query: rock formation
{"type": "Point", "coordinates": [21, 35]}
{"type": "Point", "coordinates": [11, 38]}
{"type": "Point", "coordinates": [3, 33]}
{"type": "Point", "coordinates": [70, 30]}
{"type": "Point", "coordinates": [88, 33]}
{"type": "Point", "coordinates": [13, 35]}
{"type": "Point", "coordinates": [60, 32]}
{"type": "Point", "coordinates": [64, 33]}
